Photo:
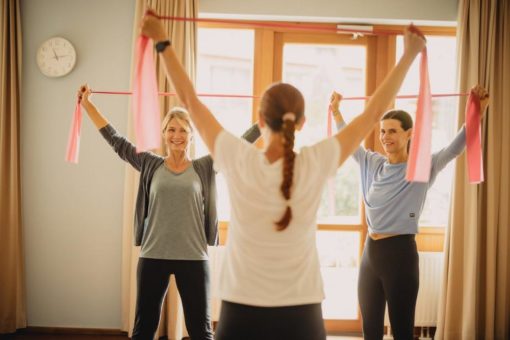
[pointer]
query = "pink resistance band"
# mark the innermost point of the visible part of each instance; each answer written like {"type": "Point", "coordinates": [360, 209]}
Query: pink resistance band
{"type": "Point", "coordinates": [331, 181]}
{"type": "Point", "coordinates": [473, 140]}
{"type": "Point", "coordinates": [144, 102]}
{"type": "Point", "coordinates": [145, 98]}
{"type": "Point", "coordinates": [73, 144]}
{"type": "Point", "coordinates": [418, 164]}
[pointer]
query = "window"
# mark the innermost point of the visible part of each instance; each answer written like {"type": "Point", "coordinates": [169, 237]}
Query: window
{"type": "Point", "coordinates": [245, 61]}
{"type": "Point", "coordinates": [339, 258]}
{"type": "Point", "coordinates": [318, 69]}
{"type": "Point", "coordinates": [225, 66]}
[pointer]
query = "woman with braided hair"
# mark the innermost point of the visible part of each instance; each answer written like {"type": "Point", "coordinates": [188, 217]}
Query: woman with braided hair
{"type": "Point", "coordinates": [270, 283]}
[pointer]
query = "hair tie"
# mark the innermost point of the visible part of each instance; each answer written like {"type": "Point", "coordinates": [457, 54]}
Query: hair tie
{"type": "Point", "coordinates": [289, 116]}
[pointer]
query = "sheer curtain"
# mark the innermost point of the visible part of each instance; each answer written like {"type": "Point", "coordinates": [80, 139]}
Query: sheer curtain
{"type": "Point", "coordinates": [475, 299]}
{"type": "Point", "coordinates": [12, 269]}
{"type": "Point", "coordinates": [183, 36]}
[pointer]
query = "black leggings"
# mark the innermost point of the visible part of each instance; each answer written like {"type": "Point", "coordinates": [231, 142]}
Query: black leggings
{"type": "Point", "coordinates": [389, 273]}
{"type": "Point", "coordinates": [243, 322]}
{"type": "Point", "coordinates": [192, 279]}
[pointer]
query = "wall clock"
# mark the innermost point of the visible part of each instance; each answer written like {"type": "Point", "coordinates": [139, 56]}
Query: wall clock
{"type": "Point", "coordinates": [56, 57]}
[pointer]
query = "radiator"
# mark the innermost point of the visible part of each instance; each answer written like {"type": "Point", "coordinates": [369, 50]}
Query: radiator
{"type": "Point", "coordinates": [431, 271]}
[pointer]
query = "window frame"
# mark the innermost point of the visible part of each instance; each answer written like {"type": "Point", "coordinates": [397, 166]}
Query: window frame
{"type": "Point", "coordinates": [268, 54]}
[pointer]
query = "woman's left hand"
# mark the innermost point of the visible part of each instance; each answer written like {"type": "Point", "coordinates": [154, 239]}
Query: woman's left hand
{"type": "Point", "coordinates": [483, 95]}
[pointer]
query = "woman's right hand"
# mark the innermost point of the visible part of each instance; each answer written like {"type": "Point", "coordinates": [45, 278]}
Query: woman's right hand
{"type": "Point", "coordinates": [336, 98]}
{"type": "Point", "coordinates": [334, 103]}
{"type": "Point", "coordinates": [414, 40]}
{"type": "Point", "coordinates": [152, 27]}
{"type": "Point", "coordinates": [83, 95]}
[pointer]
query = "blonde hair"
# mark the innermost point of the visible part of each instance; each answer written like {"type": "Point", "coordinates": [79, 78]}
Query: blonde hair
{"type": "Point", "coordinates": [181, 114]}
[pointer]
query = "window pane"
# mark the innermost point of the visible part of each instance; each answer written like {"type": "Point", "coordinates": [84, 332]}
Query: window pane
{"type": "Point", "coordinates": [318, 70]}
{"type": "Point", "coordinates": [338, 255]}
{"type": "Point", "coordinates": [442, 70]}
{"type": "Point", "coordinates": [225, 66]}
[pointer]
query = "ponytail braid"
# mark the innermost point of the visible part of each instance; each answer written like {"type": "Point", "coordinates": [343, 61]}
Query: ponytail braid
{"type": "Point", "coordinates": [281, 107]}
{"type": "Point", "coordinates": [288, 128]}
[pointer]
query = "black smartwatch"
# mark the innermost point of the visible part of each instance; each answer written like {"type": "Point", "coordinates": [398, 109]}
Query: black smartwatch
{"type": "Point", "coordinates": [161, 45]}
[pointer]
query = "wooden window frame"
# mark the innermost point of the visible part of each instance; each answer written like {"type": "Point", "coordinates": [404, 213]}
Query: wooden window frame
{"type": "Point", "coordinates": [267, 69]}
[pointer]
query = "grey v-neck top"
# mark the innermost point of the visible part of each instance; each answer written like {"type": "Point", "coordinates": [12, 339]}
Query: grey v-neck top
{"type": "Point", "coordinates": [174, 225]}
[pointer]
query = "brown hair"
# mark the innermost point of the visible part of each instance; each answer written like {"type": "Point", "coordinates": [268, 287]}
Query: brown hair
{"type": "Point", "coordinates": [280, 99]}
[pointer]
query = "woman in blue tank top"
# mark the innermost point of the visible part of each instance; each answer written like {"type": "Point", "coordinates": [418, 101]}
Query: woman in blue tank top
{"type": "Point", "coordinates": [389, 270]}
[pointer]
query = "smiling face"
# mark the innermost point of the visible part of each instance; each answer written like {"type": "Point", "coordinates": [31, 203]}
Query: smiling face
{"type": "Point", "coordinates": [177, 131]}
{"type": "Point", "coordinates": [393, 137]}
{"type": "Point", "coordinates": [177, 135]}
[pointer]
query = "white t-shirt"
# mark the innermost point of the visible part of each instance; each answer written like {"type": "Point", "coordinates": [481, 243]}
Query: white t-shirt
{"type": "Point", "coordinates": [263, 266]}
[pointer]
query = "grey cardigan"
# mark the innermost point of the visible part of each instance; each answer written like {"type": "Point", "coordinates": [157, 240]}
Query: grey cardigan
{"type": "Point", "coordinates": [148, 162]}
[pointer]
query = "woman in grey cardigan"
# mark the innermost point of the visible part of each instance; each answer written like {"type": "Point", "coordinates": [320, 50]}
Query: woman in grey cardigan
{"type": "Point", "coordinates": [175, 219]}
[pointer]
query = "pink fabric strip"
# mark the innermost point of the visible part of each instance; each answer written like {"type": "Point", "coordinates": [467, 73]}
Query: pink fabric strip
{"type": "Point", "coordinates": [419, 162]}
{"type": "Point", "coordinates": [73, 143]}
{"type": "Point", "coordinates": [226, 95]}
{"type": "Point", "coordinates": [145, 99]}
{"type": "Point", "coordinates": [331, 181]}
{"type": "Point", "coordinates": [330, 122]}
{"type": "Point", "coordinates": [473, 140]}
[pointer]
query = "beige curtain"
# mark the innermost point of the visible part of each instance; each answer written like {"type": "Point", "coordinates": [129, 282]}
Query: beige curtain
{"type": "Point", "coordinates": [475, 299]}
{"type": "Point", "coordinates": [183, 36]}
{"type": "Point", "coordinates": [12, 269]}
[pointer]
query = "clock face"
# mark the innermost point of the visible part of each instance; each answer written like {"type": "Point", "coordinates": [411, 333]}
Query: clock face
{"type": "Point", "coordinates": [56, 57]}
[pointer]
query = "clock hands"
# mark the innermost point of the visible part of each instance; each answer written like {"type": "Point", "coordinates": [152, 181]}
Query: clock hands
{"type": "Point", "coordinates": [55, 54]}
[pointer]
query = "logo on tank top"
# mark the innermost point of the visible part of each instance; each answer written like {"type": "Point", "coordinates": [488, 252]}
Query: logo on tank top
{"type": "Point", "coordinates": [411, 215]}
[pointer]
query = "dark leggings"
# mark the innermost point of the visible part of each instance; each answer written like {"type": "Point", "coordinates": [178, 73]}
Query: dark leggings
{"type": "Point", "coordinates": [243, 322]}
{"type": "Point", "coordinates": [389, 273]}
{"type": "Point", "coordinates": [192, 278]}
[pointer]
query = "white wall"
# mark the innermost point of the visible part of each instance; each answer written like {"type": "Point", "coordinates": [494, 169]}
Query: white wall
{"type": "Point", "coordinates": [72, 213]}
{"type": "Point", "coordinates": [430, 12]}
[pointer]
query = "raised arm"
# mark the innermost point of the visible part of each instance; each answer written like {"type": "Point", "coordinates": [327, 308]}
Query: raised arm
{"type": "Point", "coordinates": [124, 148]}
{"type": "Point", "coordinates": [441, 158]}
{"type": "Point", "coordinates": [351, 136]}
{"type": "Point", "coordinates": [207, 125]}
{"type": "Point", "coordinates": [334, 104]}
{"type": "Point", "coordinates": [97, 118]}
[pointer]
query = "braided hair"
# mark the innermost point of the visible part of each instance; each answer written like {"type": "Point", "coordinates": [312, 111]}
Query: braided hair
{"type": "Point", "coordinates": [282, 105]}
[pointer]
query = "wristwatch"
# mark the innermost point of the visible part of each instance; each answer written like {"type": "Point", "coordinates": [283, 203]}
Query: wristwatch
{"type": "Point", "coordinates": [161, 45]}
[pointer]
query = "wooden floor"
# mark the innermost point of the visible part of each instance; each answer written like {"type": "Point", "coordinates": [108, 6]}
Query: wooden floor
{"type": "Point", "coordinates": [101, 337]}
{"type": "Point", "coordinates": [61, 337]}
{"type": "Point", "coordinates": [58, 334]}
{"type": "Point", "coordinates": [48, 333]}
